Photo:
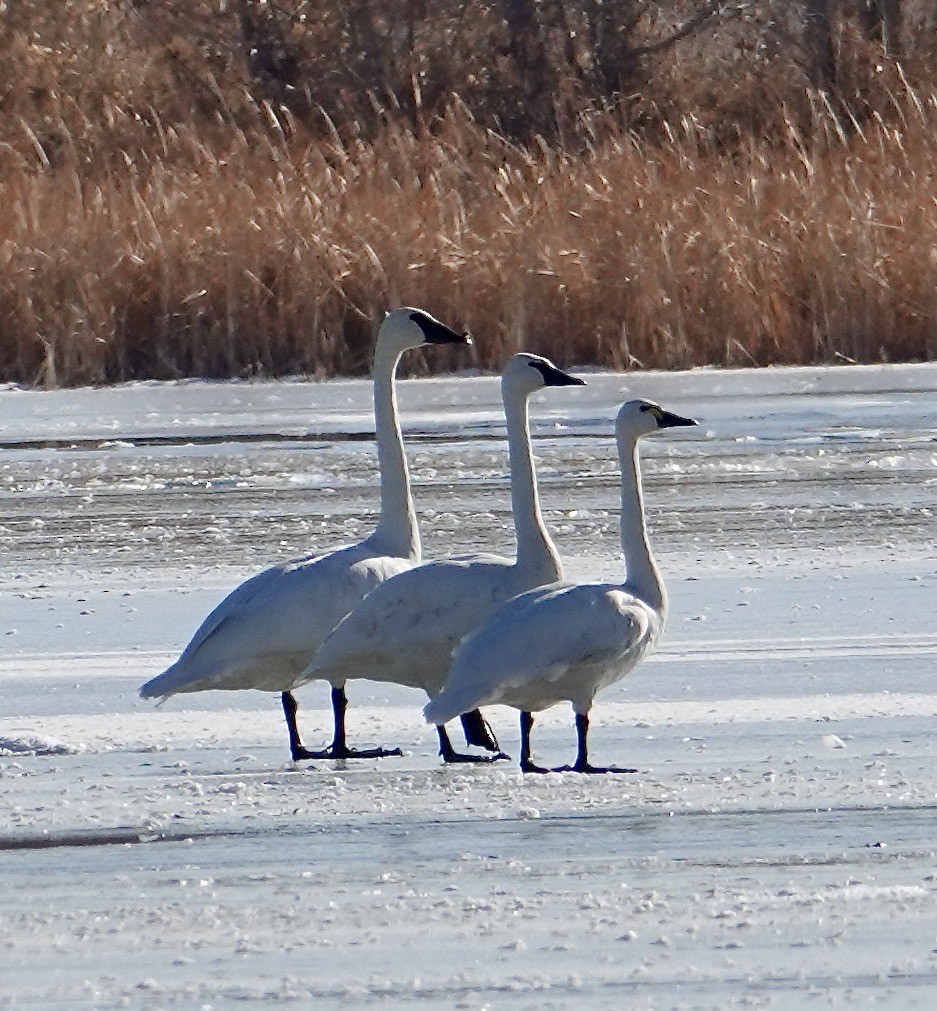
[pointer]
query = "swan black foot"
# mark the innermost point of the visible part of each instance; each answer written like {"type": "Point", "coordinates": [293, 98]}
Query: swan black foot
{"type": "Point", "coordinates": [452, 757]}
{"type": "Point", "coordinates": [582, 763]}
{"type": "Point", "coordinates": [342, 752]}
{"type": "Point", "coordinates": [527, 722]}
{"type": "Point", "coordinates": [456, 757]}
{"type": "Point", "coordinates": [594, 770]}
{"type": "Point", "coordinates": [478, 732]}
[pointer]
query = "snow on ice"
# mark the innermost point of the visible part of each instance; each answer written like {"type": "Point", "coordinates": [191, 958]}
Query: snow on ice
{"type": "Point", "coordinates": [778, 846]}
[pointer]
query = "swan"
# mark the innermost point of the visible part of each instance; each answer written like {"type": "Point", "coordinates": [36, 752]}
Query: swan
{"type": "Point", "coordinates": [267, 629]}
{"type": "Point", "coordinates": [568, 640]}
{"type": "Point", "coordinates": [405, 630]}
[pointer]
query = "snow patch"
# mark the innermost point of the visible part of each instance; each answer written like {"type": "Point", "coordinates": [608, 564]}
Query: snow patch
{"type": "Point", "coordinates": [30, 745]}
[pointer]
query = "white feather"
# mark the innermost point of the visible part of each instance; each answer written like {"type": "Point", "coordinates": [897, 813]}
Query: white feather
{"type": "Point", "coordinates": [267, 629]}
{"type": "Point", "coordinates": [404, 632]}
{"type": "Point", "coordinates": [555, 643]}
{"type": "Point", "coordinates": [567, 641]}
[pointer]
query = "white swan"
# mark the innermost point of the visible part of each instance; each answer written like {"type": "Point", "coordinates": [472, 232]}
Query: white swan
{"type": "Point", "coordinates": [567, 641]}
{"type": "Point", "coordinates": [266, 631]}
{"type": "Point", "coordinates": [404, 632]}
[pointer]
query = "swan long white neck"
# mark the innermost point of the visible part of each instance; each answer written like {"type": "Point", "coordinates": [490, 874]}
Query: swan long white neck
{"type": "Point", "coordinates": [397, 533]}
{"type": "Point", "coordinates": [535, 550]}
{"type": "Point", "coordinates": [642, 575]}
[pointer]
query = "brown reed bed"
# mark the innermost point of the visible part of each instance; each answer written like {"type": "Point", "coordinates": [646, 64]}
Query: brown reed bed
{"type": "Point", "coordinates": [254, 247]}
{"type": "Point", "coordinates": [625, 255]}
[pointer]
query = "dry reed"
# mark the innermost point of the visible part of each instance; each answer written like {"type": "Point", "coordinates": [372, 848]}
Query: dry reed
{"type": "Point", "coordinates": [256, 248]}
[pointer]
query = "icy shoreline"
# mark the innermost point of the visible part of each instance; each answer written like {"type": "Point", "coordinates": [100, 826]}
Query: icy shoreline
{"type": "Point", "coordinates": [777, 846]}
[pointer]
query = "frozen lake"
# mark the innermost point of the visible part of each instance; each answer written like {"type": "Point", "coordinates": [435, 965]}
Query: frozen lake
{"type": "Point", "coordinates": [778, 847]}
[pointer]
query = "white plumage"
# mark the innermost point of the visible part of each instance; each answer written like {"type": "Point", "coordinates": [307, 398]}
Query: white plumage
{"type": "Point", "coordinates": [558, 643]}
{"type": "Point", "coordinates": [404, 632]}
{"type": "Point", "coordinates": [266, 631]}
{"type": "Point", "coordinates": [567, 641]}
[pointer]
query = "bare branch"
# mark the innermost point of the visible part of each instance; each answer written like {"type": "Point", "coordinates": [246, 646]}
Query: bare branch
{"type": "Point", "coordinates": [713, 10]}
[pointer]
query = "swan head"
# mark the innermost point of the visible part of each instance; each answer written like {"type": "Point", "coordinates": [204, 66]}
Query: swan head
{"type": "Point", "coordinates": [406, 328]}
{"type": "Point", "coordinates": [641, 417]}
{"type": "Point", "coordinates": [526, 373]}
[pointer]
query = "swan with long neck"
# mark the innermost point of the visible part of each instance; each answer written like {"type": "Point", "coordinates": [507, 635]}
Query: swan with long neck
{"type": "Point", "coordinates": [404, 632]}
{"type": "Point", "coordinates": [567, 641]}
{"type": "Point", "coordinates": [267, 629]}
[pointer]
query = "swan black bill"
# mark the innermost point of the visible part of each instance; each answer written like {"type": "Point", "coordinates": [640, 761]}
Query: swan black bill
{"type": "Point", "coordinates": [438, 333]}
{"type": "Point", "coordinates": [552, 376]}
{"type": "Point", "coordinates": [668, 419]}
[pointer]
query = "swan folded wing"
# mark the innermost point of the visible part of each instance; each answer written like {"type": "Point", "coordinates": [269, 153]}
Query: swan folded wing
{"type": "Point", "coordinates": [404, 632]}
{"type": "Point", "coordinates": [537, 640]}
{"type": "Point", "coordinates": [266, 630]}
{"type": "Point", "coordinates": [232, 607]}
{"type": "Point", "coordinates": [221, 638]}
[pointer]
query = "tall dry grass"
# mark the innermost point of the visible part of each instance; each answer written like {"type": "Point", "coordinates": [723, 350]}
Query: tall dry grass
{"type": "Point", "coordinates": [250, 245]}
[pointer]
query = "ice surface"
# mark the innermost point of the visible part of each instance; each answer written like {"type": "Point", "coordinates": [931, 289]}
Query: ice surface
{"type": "Point", "coordinates": [778, 847]}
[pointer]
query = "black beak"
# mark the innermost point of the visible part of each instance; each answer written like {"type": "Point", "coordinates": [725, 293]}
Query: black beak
{"type": "Point", "coordinates": [438, 333]}
{"type": "Point", "coordinates": [670, 420]}
{"type": "Point", "coordinates": [552, 376]}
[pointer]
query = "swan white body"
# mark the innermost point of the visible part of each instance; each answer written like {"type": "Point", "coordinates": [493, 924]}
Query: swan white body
{"type": "Point", "coordinates": [404, 632]}
{"type": "Point", "coordinates": [263, 634]}
{"type": "Point", "coordinates": [563, 642]}
{"type": "Point", "coordinates": [567, 641]}
{"type": "Point", "coordinates": [266, 630]}
{"type": "Point", "coordinates": [407, 635]}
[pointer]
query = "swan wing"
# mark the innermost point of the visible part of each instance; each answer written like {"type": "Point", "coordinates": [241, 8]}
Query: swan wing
{"type": "Point", "coordinates": [533, 648]}
{"type": "Point", "coordinates": [237, 603]}
{"type": "Point", "coordinates": [264, 632]}
{"type": "Point", "coordinates": [404, 632]}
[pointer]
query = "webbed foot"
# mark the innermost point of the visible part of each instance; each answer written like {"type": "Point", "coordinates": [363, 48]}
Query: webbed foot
{"type": "Point", "coordinates": [593, 770]}
{"type": "Point", "coordinates": [456, 757]}
{"type": "Point", "coordinates": [340, 753]}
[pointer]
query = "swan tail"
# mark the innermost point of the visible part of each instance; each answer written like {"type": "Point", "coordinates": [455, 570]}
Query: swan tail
{"type": "Point", "coordinates": [174, 679]}
{"type": "Point", "coordinates": [447, 705]}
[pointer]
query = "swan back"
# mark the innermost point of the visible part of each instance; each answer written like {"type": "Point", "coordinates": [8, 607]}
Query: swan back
{"type": "Point", "coordinates": [559, 642]}
{"type": "Point", "coordinates": [266, 630]}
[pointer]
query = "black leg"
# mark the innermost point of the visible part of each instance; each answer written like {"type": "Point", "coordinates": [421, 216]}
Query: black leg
{"type": "Point", "coordinates": [582, 751]}
{"type": "Point", "coordinates": [582, 741]}
{"type": "Point", "coordinates": [339, 708]}
{"type": "Point", "coordinates": [297, 750]}
{"type": "Point", "coordinates": [527, 722]}
{"type": "Point", "coordinates": [451, 756]}
{"type": "Point", "coordinates": [478, 731]}
{"type": "Point", "coordinates": [338, 748]}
